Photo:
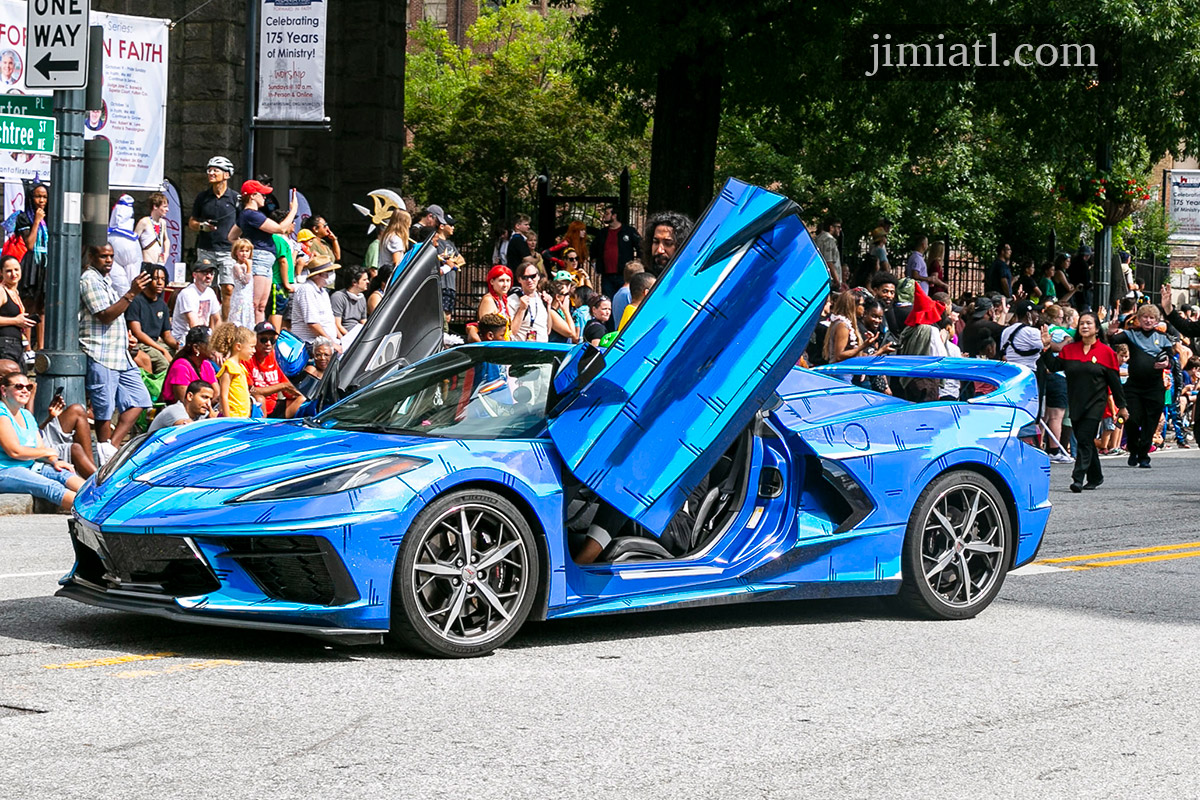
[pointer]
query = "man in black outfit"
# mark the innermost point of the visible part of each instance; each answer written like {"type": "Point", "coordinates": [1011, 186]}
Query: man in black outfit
{"type": "Point", "coordinates": [518, 243]}
{"type": "Point", "coordinates": [614, 246]}
{"type": "Point", "coordinates": [982, 328]}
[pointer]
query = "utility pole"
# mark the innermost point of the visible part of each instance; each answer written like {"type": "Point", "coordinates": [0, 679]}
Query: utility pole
{"type": "Point", "coordinates": [62, 363]}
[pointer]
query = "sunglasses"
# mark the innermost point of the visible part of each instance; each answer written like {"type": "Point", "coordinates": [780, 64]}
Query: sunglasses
{"type": "Point", "coordinates": [532, 277]}
{"type": "Point", "coordinates": [21, 387]}
{"type": "Point", "coordinates": [572, 258]}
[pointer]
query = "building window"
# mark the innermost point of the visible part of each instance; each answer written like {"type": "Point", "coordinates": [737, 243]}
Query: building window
{"type": "Point", "coordinates": [435, 11]}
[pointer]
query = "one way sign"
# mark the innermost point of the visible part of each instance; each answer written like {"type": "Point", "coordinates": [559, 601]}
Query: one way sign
{"type": "Point", "coordinates": [56, 44]}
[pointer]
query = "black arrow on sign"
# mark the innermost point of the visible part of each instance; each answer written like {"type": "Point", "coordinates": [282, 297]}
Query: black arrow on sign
{"type": "Point", "coordinates": [46, 66]}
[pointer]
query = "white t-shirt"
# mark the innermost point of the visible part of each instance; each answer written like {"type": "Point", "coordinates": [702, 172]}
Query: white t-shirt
{"type": "Point", "coordinates": [391, 245]}
{"type": "Point", "coordinates": [191, 300]}
{"type": "Point", "coordinates": [951, 386]}
{"type": "Point", "coordinates": [537, 319]}
{"type": "Point", "coordinates": [1021, 337]}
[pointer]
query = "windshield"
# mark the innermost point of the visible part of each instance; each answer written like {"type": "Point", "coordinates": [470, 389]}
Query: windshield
{"type": "Point", "coordinates": [469, 392]}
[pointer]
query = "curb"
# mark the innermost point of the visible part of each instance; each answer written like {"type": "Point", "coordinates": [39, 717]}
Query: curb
{"type": "Point", "coordinates": [11, 504]}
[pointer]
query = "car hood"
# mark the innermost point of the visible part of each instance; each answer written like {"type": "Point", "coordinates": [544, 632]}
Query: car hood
{"type": "Point", "coordinates": [240, 454]}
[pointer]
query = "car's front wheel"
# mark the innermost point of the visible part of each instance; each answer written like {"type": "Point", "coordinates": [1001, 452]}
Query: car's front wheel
{"type": "Point", "coordinates": [465, 577]}
{"type": "Point", "coordinates": [957, 549]}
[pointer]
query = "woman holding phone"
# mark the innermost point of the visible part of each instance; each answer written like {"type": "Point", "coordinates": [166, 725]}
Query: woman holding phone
{"type": "Point", "coordinates": [254, 225]}
{"type": "Point", "coordinates": [15, 324]}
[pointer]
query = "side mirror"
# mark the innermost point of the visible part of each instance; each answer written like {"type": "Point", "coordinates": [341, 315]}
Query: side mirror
{"type": "Point", "coordinates": [582, 363]}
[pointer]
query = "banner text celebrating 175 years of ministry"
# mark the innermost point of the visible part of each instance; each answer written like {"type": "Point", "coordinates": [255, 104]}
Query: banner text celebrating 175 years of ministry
{"type": "Point", "coordinates": [291, 61]}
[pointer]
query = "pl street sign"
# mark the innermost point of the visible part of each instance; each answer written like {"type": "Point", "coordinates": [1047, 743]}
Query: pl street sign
{"type": "Point", "coordinates": [56, 44]}
{"type": "Point", "coordinates": [27, 134]}
{"type": "Point", "coordinates": [30, 105]}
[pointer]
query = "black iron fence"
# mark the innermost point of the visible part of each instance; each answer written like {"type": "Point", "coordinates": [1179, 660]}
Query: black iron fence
{"type": "Point", "coordinates": [964, 271]}
{"type": "Point", "coordinates": [552, 214]}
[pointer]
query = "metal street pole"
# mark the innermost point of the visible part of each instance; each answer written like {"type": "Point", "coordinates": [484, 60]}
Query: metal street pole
{"type": "Point", "coordinates": [251, 85]}
{"type": "Point", "coordinates": [62, 363]}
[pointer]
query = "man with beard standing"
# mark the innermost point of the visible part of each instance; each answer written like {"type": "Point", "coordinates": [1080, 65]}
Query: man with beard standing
{"type": "Point", "coordinates": [665, 234]}
{"type": "Point", "coordinates": [114, 383]}
{"type": "Point", "coordinates": [614, 246]}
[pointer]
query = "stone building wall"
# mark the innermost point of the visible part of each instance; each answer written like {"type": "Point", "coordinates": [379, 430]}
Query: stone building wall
{"type": "Point", "coordinates": [364, 95]}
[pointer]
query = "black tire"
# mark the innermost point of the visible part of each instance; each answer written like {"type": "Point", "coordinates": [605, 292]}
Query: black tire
{"type": "Point", "coordinates": [954, 571]}
{"type": "Point", "coordinates": [457, 601]}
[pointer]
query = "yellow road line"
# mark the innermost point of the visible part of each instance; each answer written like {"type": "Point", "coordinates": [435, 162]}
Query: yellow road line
{"type": "Point", "coordinates": [1114, 553]}
{"type": "Point", "coordinates": [1142, 560]}
{"type": "Point", "coordinates": [174, 668]}
{"type": "Point", "coordinates": [108, 662]}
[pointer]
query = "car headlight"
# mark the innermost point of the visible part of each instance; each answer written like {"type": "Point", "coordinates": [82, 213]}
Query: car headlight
{"type": "Point", "coordinates": [119, 458]}
{"type": "Point", "coordinates": [337, 479]}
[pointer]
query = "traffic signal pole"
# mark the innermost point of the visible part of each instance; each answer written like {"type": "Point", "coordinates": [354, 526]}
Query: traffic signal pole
{"type": "Point", "coordinates": [62, 363]}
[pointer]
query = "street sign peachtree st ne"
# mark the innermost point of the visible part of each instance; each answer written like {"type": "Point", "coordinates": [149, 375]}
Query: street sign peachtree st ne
{"type": "Point", "coordinates": [26, 104]}
{"type": "Point", "coordinates": [56, 44]}
{"type": "Point", "coordinates": [27, 134]}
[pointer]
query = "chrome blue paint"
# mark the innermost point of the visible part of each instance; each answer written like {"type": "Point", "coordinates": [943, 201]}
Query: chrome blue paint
{"type": "Point", "coordinates": [718, 335]}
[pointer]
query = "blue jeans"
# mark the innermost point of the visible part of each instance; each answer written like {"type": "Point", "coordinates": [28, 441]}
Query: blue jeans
{"type": "Point", "coordinates": [38, 479]}
{"type": "Point", "coordinates": [1174, 422]}
{"type": "Point", "coordinates": [262, 261]}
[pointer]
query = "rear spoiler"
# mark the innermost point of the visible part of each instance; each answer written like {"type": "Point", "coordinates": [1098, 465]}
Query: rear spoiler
{"type": "Point", "coordinates": [1015, 384]}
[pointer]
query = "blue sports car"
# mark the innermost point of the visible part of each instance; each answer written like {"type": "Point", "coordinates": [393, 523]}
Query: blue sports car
{"type": "Point", "coordinates": [443, 504]}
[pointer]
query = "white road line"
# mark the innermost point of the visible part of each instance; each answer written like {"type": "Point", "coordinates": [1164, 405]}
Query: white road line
{"type": "Point", "coordinates": [1036, 569]}
{"type": "Point", "coordinates": [59, 572]}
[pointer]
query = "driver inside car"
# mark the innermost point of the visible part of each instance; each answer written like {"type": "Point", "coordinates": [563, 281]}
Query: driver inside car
{"type": "Point", "coordinates": [610, 523]}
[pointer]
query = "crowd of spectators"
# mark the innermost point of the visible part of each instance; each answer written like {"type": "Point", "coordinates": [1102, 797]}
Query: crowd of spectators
{"type": "Point", "coordinates": [1117, 381]}
{"type": "Point", "coordinates": [159, 356]}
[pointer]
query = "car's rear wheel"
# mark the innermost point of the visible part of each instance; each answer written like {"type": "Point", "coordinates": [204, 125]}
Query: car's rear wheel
{"type": "Point", "coordinates": [957, 549]}
{"type": "Point", "coordinates": [466, 576]}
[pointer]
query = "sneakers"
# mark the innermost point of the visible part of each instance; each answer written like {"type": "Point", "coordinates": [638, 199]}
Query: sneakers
{"type": "Point", "coordinates": [1061, 458]}
{"type": "Point", "coordinates": [104, 451]}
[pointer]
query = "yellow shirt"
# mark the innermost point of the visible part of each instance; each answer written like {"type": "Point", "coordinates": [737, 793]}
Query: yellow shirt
{"type": "Point", "coordinates": [626, 315]}
{"type": "Point", "coordinates": [239, 387]}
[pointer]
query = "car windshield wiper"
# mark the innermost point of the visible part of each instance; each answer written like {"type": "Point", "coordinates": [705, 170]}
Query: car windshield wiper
{"type": "Point", "coordinates": [373, 427]}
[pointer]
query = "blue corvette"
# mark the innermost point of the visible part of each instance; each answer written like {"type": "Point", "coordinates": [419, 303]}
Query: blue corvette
{"type": "Point", "coordinates": [440, 504]}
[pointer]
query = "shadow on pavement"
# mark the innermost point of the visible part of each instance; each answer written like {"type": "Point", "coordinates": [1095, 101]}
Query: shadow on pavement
{"type": "Point", "coordinates": [614, 627]}
{"type": "Point", "coordinates": [63, 623]}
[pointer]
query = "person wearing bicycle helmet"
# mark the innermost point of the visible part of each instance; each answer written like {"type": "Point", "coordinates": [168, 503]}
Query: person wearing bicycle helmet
{"type": "Point", "coordinates": [213, 215]}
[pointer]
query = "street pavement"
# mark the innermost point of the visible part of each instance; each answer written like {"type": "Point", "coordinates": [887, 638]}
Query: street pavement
{"type": "Point", "coordinates": [1079, 681]}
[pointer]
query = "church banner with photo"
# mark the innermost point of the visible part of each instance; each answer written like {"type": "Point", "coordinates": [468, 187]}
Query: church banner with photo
{"type": "Point", "coordinates": [133, 117]}
{"type": "Point", "coordinates": [1183, 205]}
{"type": "Point", "coordinates": [291, 61]}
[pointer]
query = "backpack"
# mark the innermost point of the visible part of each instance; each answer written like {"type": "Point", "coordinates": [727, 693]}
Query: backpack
{"type": "Point", "coordinates": [14, 246]}
{"type": "Point", "coordinates": [1005, 346]}
{"type": "Point", "coordinates": [291, 353]}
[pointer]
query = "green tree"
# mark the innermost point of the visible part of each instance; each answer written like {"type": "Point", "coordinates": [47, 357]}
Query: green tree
{"type": "Point", "coordinates": [504, 108]}
{"type": "Point", "coordinates": [969, 155]}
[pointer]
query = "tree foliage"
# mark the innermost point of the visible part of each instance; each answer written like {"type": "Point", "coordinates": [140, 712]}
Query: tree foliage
{"type": "Point", "coordinates": [503, 108]}
{"type": "Point", "coordinates": [973, 156]}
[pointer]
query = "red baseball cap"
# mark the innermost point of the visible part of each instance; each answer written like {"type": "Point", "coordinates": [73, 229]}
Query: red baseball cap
{"type": "Point", "coordinates": [250, 187]}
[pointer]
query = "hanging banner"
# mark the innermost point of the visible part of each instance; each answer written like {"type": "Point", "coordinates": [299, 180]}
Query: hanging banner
{"type": "Point", "coordinates": [291, 61]}
{"type": "Point", "coordinates": [133, 118]}
{"type": "Point", "coordinates": [174, 222]}
{"type": "Point", "coordinates": [1183, 205]}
